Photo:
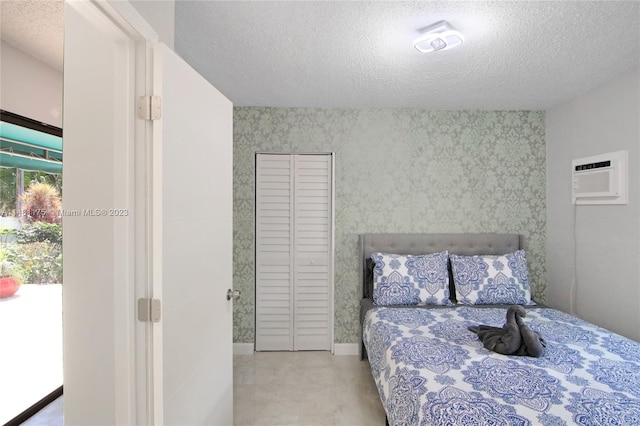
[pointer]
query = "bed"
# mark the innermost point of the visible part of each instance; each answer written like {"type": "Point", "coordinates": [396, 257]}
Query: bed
{"type": "Point", "coordinates": [430, 369]}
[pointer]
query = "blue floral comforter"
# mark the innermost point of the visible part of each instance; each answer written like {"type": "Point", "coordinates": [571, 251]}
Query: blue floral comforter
{"type": "Point", "coordinates": [430, 370]}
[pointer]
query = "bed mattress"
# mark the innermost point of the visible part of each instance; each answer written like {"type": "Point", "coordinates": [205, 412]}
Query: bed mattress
{"type": "Point", "coordinates": [431, 370]}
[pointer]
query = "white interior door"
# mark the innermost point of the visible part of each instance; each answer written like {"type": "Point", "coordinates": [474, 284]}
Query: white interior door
{"type": "Point", "coordinates": [192, 246]}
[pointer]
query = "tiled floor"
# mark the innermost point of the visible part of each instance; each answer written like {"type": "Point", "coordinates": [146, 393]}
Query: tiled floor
{"type": "Point", "coordinates": [51, 415]}
{"type": "Point", "coordinates": [33, 366]}
{"type": "Point", "coordinates": [290, 388]}
{"type": "Point", "coordinates": [304, 388]}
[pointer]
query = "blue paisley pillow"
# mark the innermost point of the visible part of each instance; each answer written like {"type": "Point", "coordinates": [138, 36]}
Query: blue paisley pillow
{"type": "Point", "coordinates": [486, 280]}
{"type": "Point", "coordinates": [411, 280]}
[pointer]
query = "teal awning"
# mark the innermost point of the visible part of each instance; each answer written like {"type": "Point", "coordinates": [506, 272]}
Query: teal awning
{"type": "Point", "coordinates": [29, 149]}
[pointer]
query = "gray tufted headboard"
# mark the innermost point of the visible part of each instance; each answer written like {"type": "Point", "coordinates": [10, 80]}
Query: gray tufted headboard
{"type": "Point", "coordinates": [463, 244]}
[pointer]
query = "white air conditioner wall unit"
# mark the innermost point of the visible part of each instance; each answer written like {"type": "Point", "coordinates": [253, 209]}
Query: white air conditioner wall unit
{"type": "Point", "coordinates": [600, 179]}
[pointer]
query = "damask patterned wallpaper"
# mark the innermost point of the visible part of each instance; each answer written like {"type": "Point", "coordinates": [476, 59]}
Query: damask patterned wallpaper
{"type": "Point", "coordinates": [398, 170]}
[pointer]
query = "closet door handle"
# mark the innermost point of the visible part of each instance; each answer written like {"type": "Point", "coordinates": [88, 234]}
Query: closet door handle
{"type": "Point", "coordinates": [233, 294]}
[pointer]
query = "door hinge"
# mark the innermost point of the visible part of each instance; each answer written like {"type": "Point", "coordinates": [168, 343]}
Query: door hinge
{"type": "Point", "coordinates": [149, 310]}
{"type": "Point", "coordinates": [149, 107]}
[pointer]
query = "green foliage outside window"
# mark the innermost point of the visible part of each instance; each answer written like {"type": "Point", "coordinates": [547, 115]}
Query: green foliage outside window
{"type": "Point", "coordinates": [8, 180]}
{"type": "Point", "coordinates": [37, 246]}
{"type": "Point", "coordinates": [7, 191]}
{"type": "Point", "coordinates": [41, 202]}
{"type": "Point", "coordinates": [40, 262]}
{"type": "Point", "coordinates": [38, 232]}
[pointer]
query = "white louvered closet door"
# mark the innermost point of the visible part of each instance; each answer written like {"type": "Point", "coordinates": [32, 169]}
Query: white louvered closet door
{"type": "Point", "coordinates": [312, 252]}
{"type": "Point", "coordinates": [293, 252]}
{"type": "Point", "coordinates": [274, 252]}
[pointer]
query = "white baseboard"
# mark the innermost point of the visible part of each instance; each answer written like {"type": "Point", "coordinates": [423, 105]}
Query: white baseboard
{"type": "Point", "coordinates": [346, 349]}
{"type": "Point", "coordinates": [243, 349]}
{"type": "Point", "coordinates": [339, 349]}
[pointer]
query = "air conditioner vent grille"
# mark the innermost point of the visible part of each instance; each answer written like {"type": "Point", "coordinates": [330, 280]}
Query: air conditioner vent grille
{"type": "Point", "coordinates": [600, 179]}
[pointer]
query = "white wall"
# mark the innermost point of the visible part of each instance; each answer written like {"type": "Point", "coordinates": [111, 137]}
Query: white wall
{"type": "Point", "coordinates": [33, 89]}
{"type": "Point", "coordinates": [607, 236]}
{"type": "Point", "coordinates": [160, 14]}
{"type": "Point", "coordinates": [29, 87]}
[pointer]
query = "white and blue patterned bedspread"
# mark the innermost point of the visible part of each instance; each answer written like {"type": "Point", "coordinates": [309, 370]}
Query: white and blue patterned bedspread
{"type": "Point", "coordinates": [430, 370]}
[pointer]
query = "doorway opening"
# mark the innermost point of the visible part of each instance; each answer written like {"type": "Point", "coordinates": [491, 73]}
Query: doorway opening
{"type": "Point", "coordinates": [30, 266]}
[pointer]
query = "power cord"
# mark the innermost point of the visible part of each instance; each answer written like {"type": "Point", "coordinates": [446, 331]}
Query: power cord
{"type": "Point", "coordinates": [573, 292]}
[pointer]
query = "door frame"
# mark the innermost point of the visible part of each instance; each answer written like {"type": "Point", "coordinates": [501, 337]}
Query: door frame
{"type": "Point", "coordinates": [146, 390]}
{"type": "Point", "coordinates": [131, 262]}
{"type": "Point", "coordinates": [332, 243]}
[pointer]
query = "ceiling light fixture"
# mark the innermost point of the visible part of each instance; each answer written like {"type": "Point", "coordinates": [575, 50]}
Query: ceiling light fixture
{"type": "Point", "coordinates": [437, 37]}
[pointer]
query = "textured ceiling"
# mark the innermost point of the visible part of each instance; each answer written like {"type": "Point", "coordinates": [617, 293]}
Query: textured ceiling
{"type": "Point", "coordinates": [359, 54]}
{"type": "Point", "coordinates": [35, 27]}
{"type": "Point", "coordinates": [354, 54]}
